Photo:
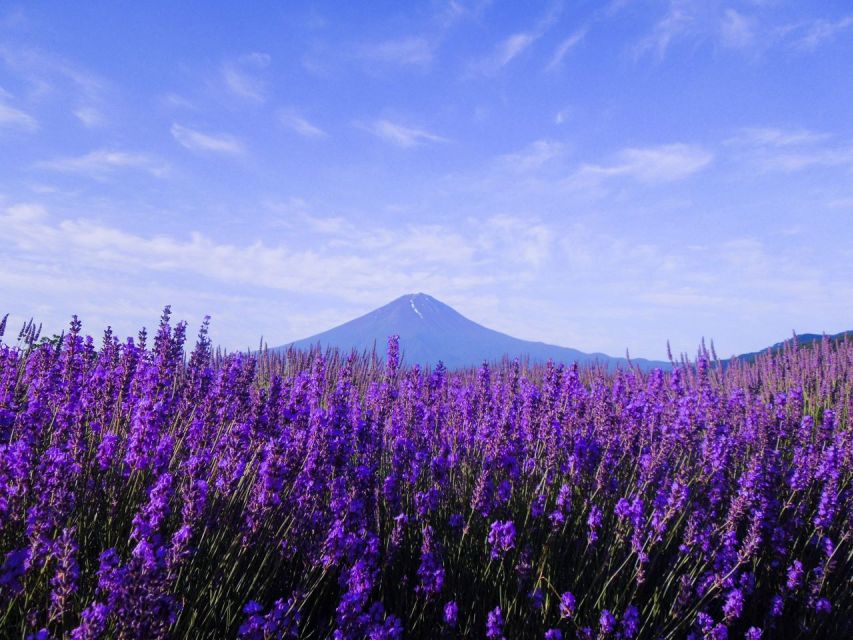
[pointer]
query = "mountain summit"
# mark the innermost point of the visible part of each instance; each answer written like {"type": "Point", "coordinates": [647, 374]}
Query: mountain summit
{"type": "Point", "coordinates": [430, 331]}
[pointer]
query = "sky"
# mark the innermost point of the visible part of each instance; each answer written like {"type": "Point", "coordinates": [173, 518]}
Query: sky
{"type": "Point", "coordinates": [603, 176]}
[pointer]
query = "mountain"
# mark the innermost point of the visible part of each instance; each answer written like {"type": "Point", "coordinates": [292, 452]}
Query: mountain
{"type": "Point", "coordinates": [430, 331]}
{"type": "Point", "coordinates": [805, 340]}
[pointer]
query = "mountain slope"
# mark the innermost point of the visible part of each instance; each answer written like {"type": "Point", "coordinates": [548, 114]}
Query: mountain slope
{"type": "Point", "coordinates": [805, 340]}
{"type": "Point", "coordinates": [430, 331]}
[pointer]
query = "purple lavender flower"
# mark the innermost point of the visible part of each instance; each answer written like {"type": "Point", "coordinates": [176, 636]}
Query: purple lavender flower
{"type": "Point", "coordinates": [64, 581]}
{"type": "Point", "coordinates": [593, 521]}
{"type": "Point", "coordinates": [567, 605]}
{"type": "Point", "coordinates": [630, 622]}
{"type": "Point", "coordinates": [553, 634]}
{"type": "Point", "coordinates": [451, 614]}
{"type": "Point", "coordinates": [823, 606]}
{"type": "Point", "coordinates": [495, 623]}
{"type": "Point", "coordinates": [93, 622]}
{"type": "Point", "coordinates": [719, 632]}
{"type": "Point", "coordinates": [733, 606]}
{"type": "Point", "coordinates": [795, 575]}
{"type": "Point", "coordinates": [501, 538]}
{"type": "Point", "coordinates": [14, 568]}
{"type": "Point", "coordinates": [777, 604]}
{"type": "Point", "coordinates": [606, 622]}
{"type": "Point", "coordinates": [537, 507]}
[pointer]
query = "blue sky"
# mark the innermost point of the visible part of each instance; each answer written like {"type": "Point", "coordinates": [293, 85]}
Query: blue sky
{"type": "Point", "coordinates": [600, 176]}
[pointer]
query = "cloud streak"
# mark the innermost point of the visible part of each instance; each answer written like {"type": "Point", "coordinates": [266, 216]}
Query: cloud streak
{"type": "Point", "coordinates": [514, 45]}
{"type": "Point", "coordinates": [411, 51]}
{"type": "Point", "coordinates": [563, 49]}
{"type": "Point", "coordinates": [220, 143]}
{"type": "Point", "coordinates": [649, 165]}
{"type": "Point", "coordinates": [290, 119]}
{"type": "Point", "coordinates": [401, 135]}
{"type": "Point", "coordinates": [811, 35]}
{"type": "Point", "coordinates": [771, 149]}
{"type": "Point", "coordinates": [13, 118]}
{"type": "Point", "coordinates": [241, 76]}
{"type": "Point", "coordinates": [101, 162]}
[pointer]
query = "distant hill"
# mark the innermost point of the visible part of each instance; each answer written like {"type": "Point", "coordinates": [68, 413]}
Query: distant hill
{"type": "Point", "coordinates": [805, 340]}
{"type": "Point", "coordinates": [430, 331]}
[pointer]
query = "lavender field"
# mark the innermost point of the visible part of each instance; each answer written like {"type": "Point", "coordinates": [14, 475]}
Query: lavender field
{"type": "Point", "coordinates": [153, 491]}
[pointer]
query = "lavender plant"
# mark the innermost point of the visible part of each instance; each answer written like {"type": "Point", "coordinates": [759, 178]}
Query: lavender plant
{"type": "Point", "coordinates": [151, 492]}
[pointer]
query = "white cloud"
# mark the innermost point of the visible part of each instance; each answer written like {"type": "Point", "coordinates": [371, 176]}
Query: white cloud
{"type": "Point", "coordinates": [241, 76]}
{"type": "Point", "coordinates": [809, 36]}
{"type": "Point", "coordinates": [514, 45]}
{"type": "Point", "coordinates": [90, 116]}
{"type": "Point", "coordinates": [678, 21]}
{"type": "Point", "coordinates": [841, 203]}
{"type": "Point", "coordinates": [773, 149]}
{"type": "Point", "coordinates": [15, 118]}
{"type": "Point", "coordinates": [651, 165]}
{"type": "Point", "coordinates": [775, 137]}
{"type": "Point", "coordinates": [353, 260]}
{"type": "Point", "coordinates": [736, 30]}
{"type": "Point", "coordinates": [176, 101]}
{"type": "Point", "coordinates": [401, 135]}
{"type": "Point", "coordinates": [411, 51]}
{"type": "Point", "coordinates": [99, 163]}
{"type": "Point", "coordinates": [564, 47]}
{"type": "Point", "coordinates": [207, 142]}
{"type": "Point", "coordinates": [532, 241]}
{"type": "Point", "coordinates": [49, 75]}
{"type": "Point", "coordinates": [295, 122]}
{"type": "Point", "coordinates": [534, 156]}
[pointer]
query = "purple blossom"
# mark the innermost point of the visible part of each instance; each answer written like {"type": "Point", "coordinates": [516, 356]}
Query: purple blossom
{"type": "Point", "coordinates": [501, 538]}
{"type": "Point", "coordinates": [567, 605]}
{"type": "Point", "coordinates": [630, 622]}
{"type": "Point", "coordinates": [495, 623]}
{"type": "Point", "coordinates": [93, 622]}
{"type": "Point", "coordinates": [451, 614]}
{"type": "Point", "coordinates": [733, 605]}
{"type": "Point", "coordinates": [823, 606]}
{"type": "Point", "coordinates": [606, 622]}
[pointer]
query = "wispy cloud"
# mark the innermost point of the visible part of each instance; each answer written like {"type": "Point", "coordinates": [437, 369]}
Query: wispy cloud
{"type": "Point", "coordinates": [410, 51]}
{"type": "Point", "coordinates": [15, 118]}
{"type": "Point", "coordinates": [379, 260]}
{"type": "Point", "coordinates": [241, 76]}
{"type": "Point", "coordinates": [736, 30]}
{"type": "Point", "coordinates": [90, 116]}
{"type": "Point", "coordinates": [773, 149]}
{"type": "Point", "coordinates": [207, 142]}
{"type": "Point", "coordinates": [650, 165]}
{"type": "Point", "coordinates": [770, 136]}
{"type": "Point", "coordinates": [290, 119]}
{"type": "Point", "coordinates": [533, 157]}
{"type": "Point", "coordinates": [678, 21]}
{"type": "Point", "coordinates": [532, 240]}
{"type": "Point", "coordinates": [514, 45]}
{"type": "Point", "coordinates": [452, 12]}
{"type": "Point", "coordinates": [47, 74]}
{"type": "Point", "coordinates": [562, 50]}
{"type": "Point", "coordinates": [176, 101]}
{"type": "Point", "coordinates": [811, 35]}
{"type": "Point", "coordinates": [101, 162]}
{"type": "Point", "coordinates": [401, 135]}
